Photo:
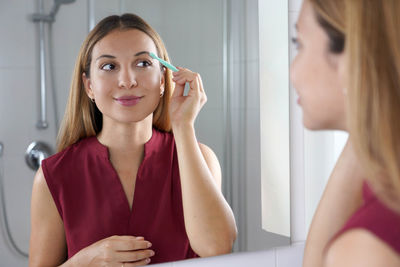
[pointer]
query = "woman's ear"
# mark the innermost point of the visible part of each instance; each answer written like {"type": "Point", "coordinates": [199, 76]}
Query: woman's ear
{"type": "Point", "coordinates": [88, 86]}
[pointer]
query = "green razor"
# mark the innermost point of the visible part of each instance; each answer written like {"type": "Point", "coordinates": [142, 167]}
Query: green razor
{"type": "Point", "coordinates": [165, 63]}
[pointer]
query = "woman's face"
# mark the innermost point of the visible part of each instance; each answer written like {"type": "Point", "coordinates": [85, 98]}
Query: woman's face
{"type": "Point", "coordinates": [316, 75]}
{"type": "Point", "coordinates": [125, 81]}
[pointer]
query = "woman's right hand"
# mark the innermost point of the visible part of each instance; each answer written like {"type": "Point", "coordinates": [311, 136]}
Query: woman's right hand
{"type": "Point", "coordinates": [118, 251]}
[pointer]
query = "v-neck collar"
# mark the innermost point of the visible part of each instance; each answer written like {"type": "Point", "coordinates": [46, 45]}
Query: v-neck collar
{"type": "Point", "coordinates": [103, 151]}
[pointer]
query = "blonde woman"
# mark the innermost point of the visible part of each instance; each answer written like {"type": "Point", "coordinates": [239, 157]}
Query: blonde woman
{"type": "Point", "coordinates": [130, 184]}
{"type": "Point", "coordinates": [347, 75]}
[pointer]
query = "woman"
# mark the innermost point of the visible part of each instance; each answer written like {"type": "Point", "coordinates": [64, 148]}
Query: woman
{"type": "Point", "coordinates": [124, 190]}
{"type": "Point", "coordinates": [347, 75]}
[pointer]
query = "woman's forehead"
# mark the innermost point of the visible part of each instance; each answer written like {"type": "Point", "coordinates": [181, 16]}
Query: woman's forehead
{"type": "Point", "coordinates": [125, 41]}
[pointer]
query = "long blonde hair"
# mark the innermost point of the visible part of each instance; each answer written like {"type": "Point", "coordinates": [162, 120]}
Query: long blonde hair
{"type": "Point", "coordinates": [372, 43]}
{"type": "Point", "coordinates": [82, 118]}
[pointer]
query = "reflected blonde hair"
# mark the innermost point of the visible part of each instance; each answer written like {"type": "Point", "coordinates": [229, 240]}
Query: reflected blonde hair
{"type": "Point", "coordinates": [82, 118]}
{"type": "Point", "coordinates": [372, 44]}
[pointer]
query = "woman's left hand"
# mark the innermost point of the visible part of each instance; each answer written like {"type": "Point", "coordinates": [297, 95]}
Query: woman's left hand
{"type": "Point", "coordinates": [184, 109]}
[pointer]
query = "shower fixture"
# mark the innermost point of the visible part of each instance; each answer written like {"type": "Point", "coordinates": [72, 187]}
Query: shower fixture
{"type": "Point", "coordinates": [5, 226]}
{"type": "Point", "coordinates": [35, 153]}
{"type": "Point", "coordinates": [43, 18]}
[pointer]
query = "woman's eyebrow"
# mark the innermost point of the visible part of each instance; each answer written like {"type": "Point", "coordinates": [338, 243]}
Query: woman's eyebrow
{"type": "Point", "coordinates": [110, 56]}
{"type": "Point", "coordinates": [106, 56]}
{"type": "Point", "coordinates": [141, 53]}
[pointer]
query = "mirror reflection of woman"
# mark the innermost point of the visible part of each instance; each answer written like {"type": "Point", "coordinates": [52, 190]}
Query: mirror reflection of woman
{"type": "Point", "coordinates": [347, 75]}
{"type": "Point", "coordinates": [130, 183]}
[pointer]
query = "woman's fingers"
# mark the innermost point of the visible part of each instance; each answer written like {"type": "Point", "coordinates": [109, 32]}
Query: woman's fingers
{"type": "Point", "coordinates": [138, 263]}
{"type": "Point", "coordinates": [201, 85]}
{"type": "Point", "coordinates": [127, 243]}
{"type": "Point", "coordinates": [133, 256]}
{"type": "Point", "coordinates": [186, 76]}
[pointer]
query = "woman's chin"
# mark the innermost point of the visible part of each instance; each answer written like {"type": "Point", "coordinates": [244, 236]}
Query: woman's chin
{"type": "Point", "coordinates": [320, 125]}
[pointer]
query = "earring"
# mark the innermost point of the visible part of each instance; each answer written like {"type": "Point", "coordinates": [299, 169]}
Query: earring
{"type": "Point", "coordinates": [92, 99]}
{"type": "Point", "coordinates": [162, 93]}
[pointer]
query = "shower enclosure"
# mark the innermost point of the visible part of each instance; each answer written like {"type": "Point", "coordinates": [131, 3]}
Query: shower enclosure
{"type": "Point", "coordinates": [32, 77]}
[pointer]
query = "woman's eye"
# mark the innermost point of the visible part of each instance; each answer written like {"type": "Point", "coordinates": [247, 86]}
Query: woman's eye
{"type": "Point", "coordinates": [108, 67]}
{"type": "Point", "coordinates": [143, 64]}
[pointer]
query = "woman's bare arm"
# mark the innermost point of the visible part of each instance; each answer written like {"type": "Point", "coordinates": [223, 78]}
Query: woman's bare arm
{"type": "Point", "coordinates": [353, 249]}
{"type": "Point", "coordinates": [341, 198]}
{"type": "Point", "coordinates": [47, 243]}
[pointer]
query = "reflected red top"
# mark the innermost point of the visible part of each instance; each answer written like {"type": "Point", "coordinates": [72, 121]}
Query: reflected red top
{"type": "Point", "coordinates": [377, 218]}
{"type": "Point", "coordinates": [92, 204]}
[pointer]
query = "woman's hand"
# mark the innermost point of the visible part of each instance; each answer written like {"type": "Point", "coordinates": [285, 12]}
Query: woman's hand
{"type": "Point", "coordinates": [184, 109]}
{"type": "Point", "coordinates": [126, 251]}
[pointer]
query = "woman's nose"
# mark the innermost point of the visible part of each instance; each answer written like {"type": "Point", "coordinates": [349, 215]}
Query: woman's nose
{"type": "Point", "coordinates": [127, 79]}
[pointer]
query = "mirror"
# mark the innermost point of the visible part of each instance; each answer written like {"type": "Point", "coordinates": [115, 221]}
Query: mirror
{"type": "Point", "coordinates": [218, 39]}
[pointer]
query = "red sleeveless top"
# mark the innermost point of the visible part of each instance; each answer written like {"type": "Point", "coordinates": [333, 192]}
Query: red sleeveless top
{"type": "Point", "coordinates": [92, 204]}
{"type": "Point", "coordinates": [377, 218]}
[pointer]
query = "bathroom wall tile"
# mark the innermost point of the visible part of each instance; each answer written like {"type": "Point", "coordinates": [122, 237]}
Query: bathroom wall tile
{"type": "Point", "coordinates": [192, 38]}
{"type": "Point", "coordinates": [18, 34]}
{"type": "Point", "coordinates": [8, 257]}
{"type": "Point", "coordinates": [18, 96]}
{"type": "Point", "coordinates": [68, 34]}
{"type": "Point", "coordinates": [104, 8]}
{"type": "Point", "coordinates": [63, 78]}
{"type": "Point", "coordinates": [212, 78]}
{"type": "Point", "coordinates": [180, 28]}
{"type": "Point", "coordinates": [152, 11]}
{"type": "Point", "coordinates": [19, 106]}
{"type": "Point", "coordinates": [19, 112]}
{"type": "Point", "coordinates": [18, 180]}
{"type": "Point", "coordinates": [211, 136]}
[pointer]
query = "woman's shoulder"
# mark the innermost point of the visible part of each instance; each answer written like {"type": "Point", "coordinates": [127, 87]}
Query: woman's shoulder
{"type": "Point", "coordinates": [360, 247]}
{"type": "Point", "coordinates": [373, 227]}
{"type": "Point", "coordinates": [73, 153]}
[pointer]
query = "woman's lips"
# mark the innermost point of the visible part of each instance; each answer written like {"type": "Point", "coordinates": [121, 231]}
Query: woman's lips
{"type": "Point", "coordinates": [128, 101]}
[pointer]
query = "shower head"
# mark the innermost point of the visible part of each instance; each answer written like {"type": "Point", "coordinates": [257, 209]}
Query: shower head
{"type": "Point", "coordinates": [42, 17]}
{"type": "Point", "coordinates": [56, 6]}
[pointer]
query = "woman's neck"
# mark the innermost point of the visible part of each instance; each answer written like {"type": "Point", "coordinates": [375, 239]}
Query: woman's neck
{"type": "Point", "coordinates": [125, 136]}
